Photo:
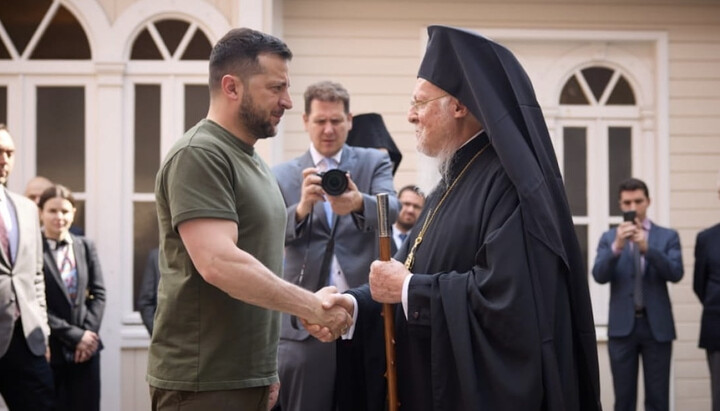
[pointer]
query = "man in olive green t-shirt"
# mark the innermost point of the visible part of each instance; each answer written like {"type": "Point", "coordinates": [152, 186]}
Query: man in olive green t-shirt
{"type": "Point", "coordinates": [222, 226]}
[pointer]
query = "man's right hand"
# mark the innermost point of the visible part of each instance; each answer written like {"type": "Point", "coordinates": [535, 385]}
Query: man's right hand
{"type": "Point", "coordinates": [626, 230]}
{"type": "Point", "coordinates": [336, 306]}
{"type": "Point", "coordinates": [310, 193]}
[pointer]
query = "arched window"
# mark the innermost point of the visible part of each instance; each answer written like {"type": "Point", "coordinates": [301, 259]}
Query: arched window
{"type": "Point", "coordinates": [45, 36]}
{"type": "Point", "coordinates": [168, 84]}
{"type": "Point", "coordinates": [599, 123]}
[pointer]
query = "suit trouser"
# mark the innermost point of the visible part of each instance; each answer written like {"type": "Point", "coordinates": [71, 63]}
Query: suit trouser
{"type": "Point", "coordinates": [26, 381]}
{"type": "Point", "coordinates": [307, 375]}
{"type": "Point", "coordinates": [713, 359]}
{"type": "Point", "coordinates": [656, 356]}
{"type": "Point", "coordinates": [77, 385]}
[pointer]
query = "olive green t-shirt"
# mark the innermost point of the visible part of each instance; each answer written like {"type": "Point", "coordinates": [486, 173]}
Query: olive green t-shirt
{"type": "Point", "coordinates": [204, 339]}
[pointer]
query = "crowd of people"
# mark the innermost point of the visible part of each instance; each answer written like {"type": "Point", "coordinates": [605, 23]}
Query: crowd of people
{"type": "Point", "coordinates": [266, 290]}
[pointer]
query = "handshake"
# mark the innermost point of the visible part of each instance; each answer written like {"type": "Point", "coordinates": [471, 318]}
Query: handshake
{"type": "Point", "coordinates": [333, 316]}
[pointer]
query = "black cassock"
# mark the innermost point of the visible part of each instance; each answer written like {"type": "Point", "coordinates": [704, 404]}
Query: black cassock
{"type": "Point", "coordinates": [472, 339]}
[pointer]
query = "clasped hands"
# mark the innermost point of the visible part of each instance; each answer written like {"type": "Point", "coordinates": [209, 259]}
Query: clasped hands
{"type": "Point", "coordinates": [386, 281]}
{"type": "Point", "coordinates": [88, 345]}
{"type": "Point", "coordinates": [630, 231]}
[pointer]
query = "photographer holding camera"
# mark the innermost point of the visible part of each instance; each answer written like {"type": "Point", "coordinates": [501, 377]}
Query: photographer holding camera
{"type": "Point", "coordinates": [330, 236]}
{"type": "Point", "coordinates": [638, 258]}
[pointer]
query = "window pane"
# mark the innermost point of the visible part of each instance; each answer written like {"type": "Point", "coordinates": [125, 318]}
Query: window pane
{"type": "Point", "coordinates": [64, 38]}
{"type": "Point", "coordinates": [622, 94]}
{"type": "Point", "coordinates": [144, 48]}
{"type": "Point", "coordinates": [147, 136]}
{"type": "Point", "coordinates": [4, 53]}
{"type": "Point", "coordinates": [620, 162]}
{"type": "Point", "coordinates": [3, 105]}
{"type": "Point", "coordinates": [146, 237]}
{"type": "Point", "coordinates": [581, 230]}
{"type": "Point", "coordinates": [21, 19]}
{"type": "Point", "coordinates": [61, 135]}
{"type": "Point", "coordinates": [199, 47]}
{"type": "Point", "coordinates": [197, 101]}
{"type": "Point", "coordinates": [575, 169]}
{"type": "Point", "coordinates": [172, 32]}
{"type": "Point", "coordinates": [597, 78]}
{"type": "Point", "coordinates": [573, 94]}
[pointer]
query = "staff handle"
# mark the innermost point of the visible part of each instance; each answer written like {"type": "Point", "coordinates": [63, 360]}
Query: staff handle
{"type": "Point", "coordinates": [384, 238]}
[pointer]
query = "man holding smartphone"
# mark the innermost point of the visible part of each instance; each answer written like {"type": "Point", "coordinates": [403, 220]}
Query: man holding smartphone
{"type": "Point", "coordinates": [638, 258]}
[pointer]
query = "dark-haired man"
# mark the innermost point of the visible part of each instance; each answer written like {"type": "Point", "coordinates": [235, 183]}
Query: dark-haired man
{"type": "Point", "coordinates": [638, 258]}
{"type": "Point", "coordinates": [222, 224]}
{"type": "Point", "coordinates": [411, 200]}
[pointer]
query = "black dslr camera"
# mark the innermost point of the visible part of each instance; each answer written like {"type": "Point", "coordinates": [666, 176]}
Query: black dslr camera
{"type": "Point", "coordinates": [334, 182]}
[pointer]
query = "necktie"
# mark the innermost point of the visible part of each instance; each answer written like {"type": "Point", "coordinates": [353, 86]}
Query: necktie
{"type": "Point", "coordinates": [402, 236]}
{"type": "Point", "coordinates": [67, 268]}
{"type": "Point", "coordinates": [4, 240]}
{"type": "Point", "coordinates": [638, 292]}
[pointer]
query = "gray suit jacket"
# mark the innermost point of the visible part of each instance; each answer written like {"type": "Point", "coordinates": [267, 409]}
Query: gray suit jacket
{"type": "Point", "coordinates": [663, 263]}
{"type": "Point", "coordinates": [23, 281]}
{"type": "Point", "coordinates": [355, 237]}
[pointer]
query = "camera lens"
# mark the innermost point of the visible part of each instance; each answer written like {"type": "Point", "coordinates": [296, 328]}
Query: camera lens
{"type": "Point", "coordinates": [334, 182]}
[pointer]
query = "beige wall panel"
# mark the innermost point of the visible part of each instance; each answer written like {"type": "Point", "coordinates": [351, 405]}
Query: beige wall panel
{"type": "Point", "coordinates": [695, 107]}
{"type": "Point", "coordinates": [358, 47]}
{"type": "Point", "coordinates": [697, 126]}
{"type": "Point", "coordinates": [696, 145]}
{"type": "Point", "coordinates": [694, 51]}
{"type": "Point", "coordinates": [701, 70]}
{"type": "Point", "coordinates": [685, 162]}
{"type": "Point", "coordinates": [693, 369]}
{"type": "Point", "coordinates": [691, 388]}
{"type": "Point", "coordinates": [702, 180]}
{"type": "Point", "coordinates": [689, 331]}
{"type": "Point", "coordinates": [368, 66]}
{"type": "Point", "coordinates": [694, 88]}
{"type": "Point", "coordinates": [688, 200]}
{"type": "Point", "coordinates": [365, 84]}
{"type": "Point", "coordinates": [686, 312]}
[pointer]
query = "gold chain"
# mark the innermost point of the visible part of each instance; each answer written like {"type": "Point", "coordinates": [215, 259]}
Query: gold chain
{"type": "Point", "coordinates": [410, 260]}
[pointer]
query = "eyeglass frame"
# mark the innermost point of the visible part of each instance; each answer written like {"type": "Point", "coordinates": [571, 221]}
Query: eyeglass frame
{"type": "Point", "coordinates": [415, 104]}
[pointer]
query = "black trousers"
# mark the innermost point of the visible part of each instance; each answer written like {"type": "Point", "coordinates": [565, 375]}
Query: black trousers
{"type": "Point", "coordinates": [26, 381]}
{"type": "Point", "coordinates": [624, 353]}
{"type": "Point", "coordinates": [78, 385]}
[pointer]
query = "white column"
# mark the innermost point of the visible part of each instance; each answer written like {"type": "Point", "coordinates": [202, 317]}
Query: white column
{"type": "Point", "coordinates": [105, 205]}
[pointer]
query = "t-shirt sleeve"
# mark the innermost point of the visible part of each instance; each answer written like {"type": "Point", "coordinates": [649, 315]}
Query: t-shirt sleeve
{"type": "Point", "coordinates": [199, 185]}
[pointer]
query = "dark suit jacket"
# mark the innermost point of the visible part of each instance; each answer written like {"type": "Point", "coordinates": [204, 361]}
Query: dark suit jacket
{"type": "Point", "coordinates": [706, 284]}
{"type": "Point", "coordinates": [69, 319]}
{"type": "Point", "coordinates": [22, 281]}
{"type": "Point", "coordinates": [663, 263]}
{"type": "Point", "coordinates": [355, 237]}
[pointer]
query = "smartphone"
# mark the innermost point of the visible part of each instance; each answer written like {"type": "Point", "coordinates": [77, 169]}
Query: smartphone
{"type": "Point", "coordinates": [629, 216]}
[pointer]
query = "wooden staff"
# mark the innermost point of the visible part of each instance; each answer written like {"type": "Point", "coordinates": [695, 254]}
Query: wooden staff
{"type": "Point", "coordinates": [384, 237]}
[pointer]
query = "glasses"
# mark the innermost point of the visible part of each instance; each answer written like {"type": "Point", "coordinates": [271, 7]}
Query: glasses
{"type": "Point", "coordinates": [416, 104]}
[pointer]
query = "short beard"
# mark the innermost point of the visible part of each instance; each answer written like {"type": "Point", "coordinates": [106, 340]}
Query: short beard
{"type": "Point", "coordinates": [445, 159]}
{"type": "Point", "coordinates": [254, 123]}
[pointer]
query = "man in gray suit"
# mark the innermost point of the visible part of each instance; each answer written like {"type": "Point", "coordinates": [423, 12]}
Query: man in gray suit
{"type": "Point", "coordinates": [638, 258]}
{"type": "Point", "coordinates": [25, 376]}
{"type": "Point", "coordinates": [329, 239]}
